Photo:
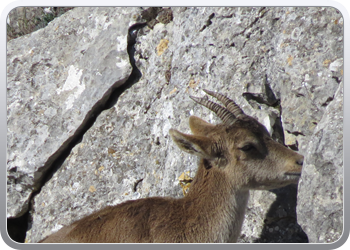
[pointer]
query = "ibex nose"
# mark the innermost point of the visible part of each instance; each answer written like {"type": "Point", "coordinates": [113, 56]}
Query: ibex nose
{"type": "Point", "coordinates": [300, 161]}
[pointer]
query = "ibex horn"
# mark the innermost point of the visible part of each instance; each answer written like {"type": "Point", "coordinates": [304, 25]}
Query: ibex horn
{"type": "Point", "coordinates": [229, 104]}
{"type": "Point", "coordinates": [225, 115]}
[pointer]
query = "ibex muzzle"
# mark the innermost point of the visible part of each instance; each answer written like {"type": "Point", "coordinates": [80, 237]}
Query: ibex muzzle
{"type": "Point", "coordinates": [235, 156]}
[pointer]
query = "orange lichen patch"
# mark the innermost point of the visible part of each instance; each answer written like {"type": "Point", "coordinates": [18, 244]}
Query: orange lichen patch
{"type": "Point", "coordinates": [173, 91]}
{"type": "Point", "coordinates": [92, 189]}
{"type": "Point", "coordinates": [193, 84]}
{"type": "Point", "coordinates": [162, 46]}
{"type": "Point", "coordinates": [99, 169]}
{"type": "Point", "coordinates": [185, 182]}
{"type": "Point", "coordinates": [326, 62]}
{"type": "Point", "coordinates": [283, 45]}
{"type": "Point", "coordinates": [341, 72]}
{"type": "Point", "coordinates": [185, 188]}
{"type": "Point", "coordinates": [289, 60]}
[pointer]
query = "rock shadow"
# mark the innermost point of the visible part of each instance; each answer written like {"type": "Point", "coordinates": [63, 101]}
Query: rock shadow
{"type": "Point", "coordinates": [280, 223]}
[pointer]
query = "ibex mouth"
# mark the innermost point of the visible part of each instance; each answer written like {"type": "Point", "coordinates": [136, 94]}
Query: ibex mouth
{"type": "Point", "coordinates": [294, 174]}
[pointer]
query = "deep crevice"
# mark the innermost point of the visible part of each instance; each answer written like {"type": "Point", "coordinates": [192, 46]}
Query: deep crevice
{"type": "Point", "coordinates": [296, 133]}
{"type": "Point", "coordinates": [267, 97]}
{"type": "Point", "coordinates": [278, 134]}
{"type": "Point", "coordinates": [137, 183]}
{"type": "Point", "coordinates": [208, 22]}
{"type": "Point", "coordinates": [337, 79]}
{"type": "Point", "coordinates": [329, 99]}
{"type": "Point", "coordinates": [17, 227]}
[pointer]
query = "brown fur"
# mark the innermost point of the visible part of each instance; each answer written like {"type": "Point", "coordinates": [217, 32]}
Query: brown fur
{"type": "Point", "coordinates": [233, 159]}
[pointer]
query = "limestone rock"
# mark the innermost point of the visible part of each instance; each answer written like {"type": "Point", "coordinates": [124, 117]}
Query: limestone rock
{"type": "Point", "coordinates": [320, 194]}
{"type": "Point", "coordinates": [55, 77]}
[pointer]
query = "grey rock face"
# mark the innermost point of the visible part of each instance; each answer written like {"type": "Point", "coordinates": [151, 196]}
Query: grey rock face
{"type": "Point", "coordinates": [281, 65]}
{"type": "Point", "coordinates": [54, 79]}
{"type": "Point", "coordinates": [320, 194]}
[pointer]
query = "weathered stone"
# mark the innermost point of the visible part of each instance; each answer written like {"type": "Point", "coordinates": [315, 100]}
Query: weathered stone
{"type": "Point", "coordinates": [271, 61]}
{"type": "Point", "coordinates": [55, 76]}
{"type": "Point", "coordinates": [320, 194]}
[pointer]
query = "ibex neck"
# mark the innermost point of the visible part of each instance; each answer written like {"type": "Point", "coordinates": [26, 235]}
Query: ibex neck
{"type": "Point", "coordinates": [219, 204]}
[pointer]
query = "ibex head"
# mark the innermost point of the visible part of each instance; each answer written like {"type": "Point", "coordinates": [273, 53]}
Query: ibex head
{"type": "Point", "coordinates": [240, 146]}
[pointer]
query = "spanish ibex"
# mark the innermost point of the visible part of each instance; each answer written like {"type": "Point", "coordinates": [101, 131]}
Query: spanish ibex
{"type": "Point", "coordinates": [235, 156]}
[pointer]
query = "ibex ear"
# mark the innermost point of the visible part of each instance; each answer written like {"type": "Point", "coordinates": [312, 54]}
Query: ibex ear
{"type": "Point", "coordinates": [193, 144]}
{"type": "Point", "coordinates": [199, 126]}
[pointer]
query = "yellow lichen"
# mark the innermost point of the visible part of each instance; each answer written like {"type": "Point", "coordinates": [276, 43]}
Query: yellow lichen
{"type": "Point", "coordinates": [193, 83]}
{"type": "Point", "coordinates": [162, 46]}
{"type": "Point", "coordinates": [185, 182]}
{"type": "Point", "coordinates": [326, 62]}
{"type": "Point", "coordinates": [92, 189]}
{"type": "Point", "coordinates": [173, 91]}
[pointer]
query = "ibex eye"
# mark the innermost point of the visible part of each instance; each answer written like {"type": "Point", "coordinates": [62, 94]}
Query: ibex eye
{"type": "Point", "coordinates": [247, 148]}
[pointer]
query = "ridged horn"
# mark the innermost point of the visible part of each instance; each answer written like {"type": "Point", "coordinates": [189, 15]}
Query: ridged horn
{"type": "Point", "coordinates": [226, 116]}
{"type": "Point", "coordinates": [229, 104]}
